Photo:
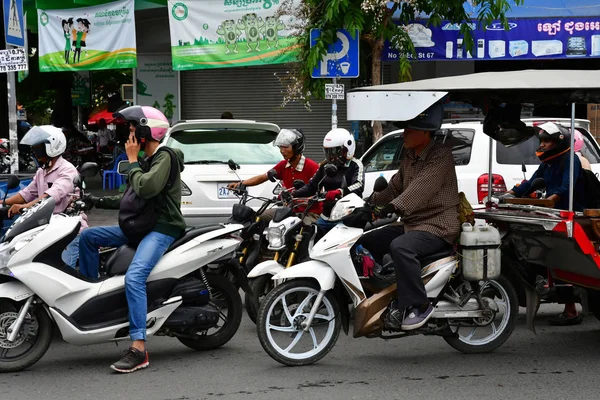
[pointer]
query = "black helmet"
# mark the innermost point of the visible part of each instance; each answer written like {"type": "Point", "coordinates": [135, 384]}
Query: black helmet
{"type": "Point", "coordinates": [557, 133]}
{"type": "Point", "coordinates": [429, 120]}
{"type": "Point", "coordinates": [291, 137]}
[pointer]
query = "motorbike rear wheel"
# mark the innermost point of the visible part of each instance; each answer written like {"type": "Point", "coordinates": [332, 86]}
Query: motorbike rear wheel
{"type": "Point", "coordinates": [505, 298]}
{"type": "Point", "coordinates": [226, 298]}
{"type": "Point", "coordinates": [32, 341]}
{"type": "Point", "coordinates": [283, 311]}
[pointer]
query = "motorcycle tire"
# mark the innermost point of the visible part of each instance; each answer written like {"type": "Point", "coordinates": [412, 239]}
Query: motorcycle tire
{"type": "Point", "coordinates": [261, 286]}
{"type": "Point", "coordinates": [264, 319]}
{"type": "Point", "coordinates": [483, 346]}
{"type": "Point", "coordinates": [222, 290]}
{"type": "Point", "coordinates": [43, 337]}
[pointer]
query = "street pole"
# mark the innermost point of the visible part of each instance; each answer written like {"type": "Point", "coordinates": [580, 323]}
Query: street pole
{"type": "Point", "coordinates": [334, 119]}
{"type": "Point", "coordinates": [12, 122]}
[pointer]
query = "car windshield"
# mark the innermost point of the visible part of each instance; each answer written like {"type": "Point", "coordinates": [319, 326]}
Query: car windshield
{"type": "Point", "coordinates": [245, 146]}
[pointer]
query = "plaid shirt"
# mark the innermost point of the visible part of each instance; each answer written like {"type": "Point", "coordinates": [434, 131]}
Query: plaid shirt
{"type": "Point", "coordinates": [425, 192]}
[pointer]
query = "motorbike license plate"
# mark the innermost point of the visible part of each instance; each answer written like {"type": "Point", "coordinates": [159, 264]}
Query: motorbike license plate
{"type": "Point", "coordinates": [223, 192]}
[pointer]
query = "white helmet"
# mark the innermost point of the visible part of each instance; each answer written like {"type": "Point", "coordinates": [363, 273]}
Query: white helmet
{"type": "Point", "coordinates": [335, 142]}
{"type": "Point", "coordinates": [52, 137]}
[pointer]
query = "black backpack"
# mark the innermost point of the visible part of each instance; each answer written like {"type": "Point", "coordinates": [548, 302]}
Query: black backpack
{"type": "Point", "coordinates": [591, 185]}
{"type": "Point", "coordinates": [138, 216]}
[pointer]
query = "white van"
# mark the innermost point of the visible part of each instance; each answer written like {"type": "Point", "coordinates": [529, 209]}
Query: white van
{"type": "Point", "coordinates": [470, 147]}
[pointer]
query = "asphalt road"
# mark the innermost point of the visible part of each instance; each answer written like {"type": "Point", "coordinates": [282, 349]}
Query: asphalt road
{"type": "Point", "coordinates": [557, 363]}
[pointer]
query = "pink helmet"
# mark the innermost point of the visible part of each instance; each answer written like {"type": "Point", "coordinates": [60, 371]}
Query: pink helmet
{"type": "Point", "coordinates": [149, 121]}
{"type": "Point", "coordinates": [578, 141]}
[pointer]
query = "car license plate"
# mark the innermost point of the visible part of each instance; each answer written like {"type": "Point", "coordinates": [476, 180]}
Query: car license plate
{"type": "Point", "coordinates": [223, 192]}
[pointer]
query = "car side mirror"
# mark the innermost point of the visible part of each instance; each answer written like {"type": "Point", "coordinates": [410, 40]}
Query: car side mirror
{"type": "Point", "coordinates": [89, 169]}
{"type": "Point", "coordinates": [272, 175]}
{"type": "Point", "coordinates": [123, 167]}
{"type": "Point", "coordinates": [331, 170]}
{"type": "Point", "coordinates": [380, 184]}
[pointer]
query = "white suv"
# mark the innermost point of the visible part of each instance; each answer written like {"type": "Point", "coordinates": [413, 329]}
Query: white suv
{"type": "Point", "coordinates": [207, 146]}
{"type": "Point", "coordinates": [470, 147]}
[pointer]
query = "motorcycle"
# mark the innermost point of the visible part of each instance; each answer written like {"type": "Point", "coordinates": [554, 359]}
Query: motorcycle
{"type": "Point", "coordinates": [202, 310]}
{"type": "Point", "coordinates": [475, 308]}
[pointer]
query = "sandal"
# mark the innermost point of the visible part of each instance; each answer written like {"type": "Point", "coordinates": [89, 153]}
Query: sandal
{"type": "Point", "coordinates": [563, 319]}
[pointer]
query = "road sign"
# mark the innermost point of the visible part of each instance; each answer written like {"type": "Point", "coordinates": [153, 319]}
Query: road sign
{"type": "Point", "coordinates": [14, 25]}
{"type": "Point", "coordinates": [341, 60]}
{"type": "Point", "coordinates": [13, 60]}
{"type": "Point", "coordinates": [334, 91]}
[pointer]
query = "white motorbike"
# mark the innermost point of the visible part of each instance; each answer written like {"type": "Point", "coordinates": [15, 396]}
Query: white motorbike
{"type": "Point", "coordinates": [37, 290]}
{"type": "Point", "coordinates": [299, 321]}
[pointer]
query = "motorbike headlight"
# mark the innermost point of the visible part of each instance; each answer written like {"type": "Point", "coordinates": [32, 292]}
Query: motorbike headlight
{"type": "Point", "coordinates": [340, 211]}
{"type": "Point", "coordinates": [275, 236]}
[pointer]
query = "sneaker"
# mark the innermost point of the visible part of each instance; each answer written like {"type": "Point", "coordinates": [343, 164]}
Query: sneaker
{"type": "Point", "coordinates": [131, 361]}
{"type": "Point", "coordinates": [415, 318]}
{"type": "Point", "coordinates": [394, 318]}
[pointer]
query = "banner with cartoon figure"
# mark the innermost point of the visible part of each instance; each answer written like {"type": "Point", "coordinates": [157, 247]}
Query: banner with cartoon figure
{"type": "Point", "coordinates": [88, 38]}
{"type": "Point", "coordinates": [230, 33]}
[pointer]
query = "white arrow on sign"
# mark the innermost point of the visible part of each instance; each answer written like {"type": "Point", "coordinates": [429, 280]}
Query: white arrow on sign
{"type": "Point", "coordinates": [336, 55]}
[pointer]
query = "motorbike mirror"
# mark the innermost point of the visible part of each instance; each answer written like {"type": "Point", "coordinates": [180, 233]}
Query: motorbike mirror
{"type": "Point", "coordinates": [277, 189]}
{"type": "Point", "coordinates": [380, 184]}
{"type": "Point", "coordinates": [13, 182]}
{"type": "Point", "coordinates": [331, 170]}
{"type": "Point", "coordinates": [123, 167]}
{"type": "Point", "coordinates": [232, 165]}
{"type": "Point", "coordinates": [298, 183]}
{"type": "Point", "coordinates": [272, 175]}
{"type": "Point", "coordinates": [537, 184]}
{"type": "Point", "coordinates": [89, 169]}
{"type": "Point", "coordinates": [77, 181]}
{"type": "Point", "coordinates": [523, 167]}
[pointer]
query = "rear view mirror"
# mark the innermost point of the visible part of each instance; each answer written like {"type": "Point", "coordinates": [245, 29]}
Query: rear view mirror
{"type": "Point", "coordinates": [380, 184]}
{"type": "Point", "coordinates": [77, 181]}
{"type": "Point", "coordinates": [13, 182]}
{"type": "Point", "coordinates": [272, 175]}
{"type": "Point", "coordinates": [123, 167]}
{"type": "Point", "coordinates": [537, 184]}
{"type": "Point", "coordinates": [277, 189]}
{"type": "Point", "coordinates": [330, 170]}
{"type": "Point", "coordinates": [89, 169]}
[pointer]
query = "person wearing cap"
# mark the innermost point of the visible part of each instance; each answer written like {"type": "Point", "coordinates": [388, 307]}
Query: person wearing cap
{"type": "Point", "coordinates": [294, 166]}
{"type": "Point", "coordinates": [424, 192]}
{"type": "Point", "coordinates": [554, 153]}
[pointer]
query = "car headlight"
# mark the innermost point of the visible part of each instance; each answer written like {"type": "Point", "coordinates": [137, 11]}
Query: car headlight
{"type": "Point", "coordinates": [275, 236]}
{"type": "Point", "coordinates": [185, 190]}
{"type": "Point", "coordinates": [340, 211]}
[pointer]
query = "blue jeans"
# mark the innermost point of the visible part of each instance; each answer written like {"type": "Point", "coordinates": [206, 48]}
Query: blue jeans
{"type": "Point", "coordinates": [148, 252]}
{"type": "Point", "coordinates": [70, 255]}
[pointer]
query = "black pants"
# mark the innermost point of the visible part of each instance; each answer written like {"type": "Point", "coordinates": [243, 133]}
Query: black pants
{"type": "Point", "coordinates": [405, 248]}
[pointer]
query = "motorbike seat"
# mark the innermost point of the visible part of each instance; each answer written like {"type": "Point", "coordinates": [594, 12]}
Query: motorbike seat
{"type": "Point", "coordinates": [119, 262]}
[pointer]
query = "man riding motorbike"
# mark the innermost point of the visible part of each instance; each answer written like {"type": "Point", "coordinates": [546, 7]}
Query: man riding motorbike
{"type": "Point", "coordinates": [424, 192]}
{"type": "Point", "coordinates": [294, 166]}
{"type": "Point", "coordinates": [54, 178]}
{"type": "Point", "coordinates": [554, 153]}
{"type": "Point", "coordinates": [151, 180]}
{"type": "Point", "coordinates": [339, 147]}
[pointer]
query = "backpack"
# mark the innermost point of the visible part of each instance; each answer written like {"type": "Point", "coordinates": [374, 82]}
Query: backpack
{"type": "Point", "coordinates": [591, 185]}
{"type": "Point", "coordinates": [138, 216]}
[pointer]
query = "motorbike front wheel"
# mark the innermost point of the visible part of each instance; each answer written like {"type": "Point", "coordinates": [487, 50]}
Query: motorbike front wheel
{"type": "Point", "coordinates": [31, 343]}
{"type": "Point", "coordinates": [489, 333]}
{"type": "Point", "coordinates": [280, 319]}
{"type": "Point", "coordinates": [261, 286]}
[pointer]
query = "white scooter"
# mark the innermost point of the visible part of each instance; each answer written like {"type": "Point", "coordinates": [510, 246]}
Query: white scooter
{"type": "Point", "coordinates": [37, 290]}
{"type": "Point", "coordinates": [299, 321]}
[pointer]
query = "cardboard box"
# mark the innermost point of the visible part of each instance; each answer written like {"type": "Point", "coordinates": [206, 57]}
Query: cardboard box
{"type": "Point", "coordinates": [593, 114]}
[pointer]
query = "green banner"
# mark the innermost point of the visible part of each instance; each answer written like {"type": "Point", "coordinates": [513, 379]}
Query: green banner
{"type": "Point", "coordinates": [230, 33]}
{"type": "Point", "coordinates": [88, 38]}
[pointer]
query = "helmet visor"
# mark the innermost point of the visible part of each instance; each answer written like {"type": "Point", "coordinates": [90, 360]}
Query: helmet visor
{"type": "Point", "coordinates": [36, 135]}
{"type": "Point", "coordinates": [334, 154]}
{"type": "Point", "coordinates": [285, 138]}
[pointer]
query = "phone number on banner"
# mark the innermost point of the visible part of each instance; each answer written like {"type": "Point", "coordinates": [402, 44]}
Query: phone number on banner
{"type": "Point", "coordinates": [13, 60]}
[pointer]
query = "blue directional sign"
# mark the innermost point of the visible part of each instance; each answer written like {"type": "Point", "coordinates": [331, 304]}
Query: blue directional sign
{"type": "Point", "coordinates": [341, 60]}
{"type": "Point", "coordinates": [14, 26]}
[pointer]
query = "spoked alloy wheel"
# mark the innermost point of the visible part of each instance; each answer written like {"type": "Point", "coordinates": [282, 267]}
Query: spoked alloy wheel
{"type": "Point", "coordinates": [493, 329]}
{"type": "Point", "coordinates": [280, 329]}
{"type": "Point", "coordinates": [31, 343]}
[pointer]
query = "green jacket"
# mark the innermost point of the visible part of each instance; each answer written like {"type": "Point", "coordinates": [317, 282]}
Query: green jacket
{"type": "Point", "coordinates": [150, 184]}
